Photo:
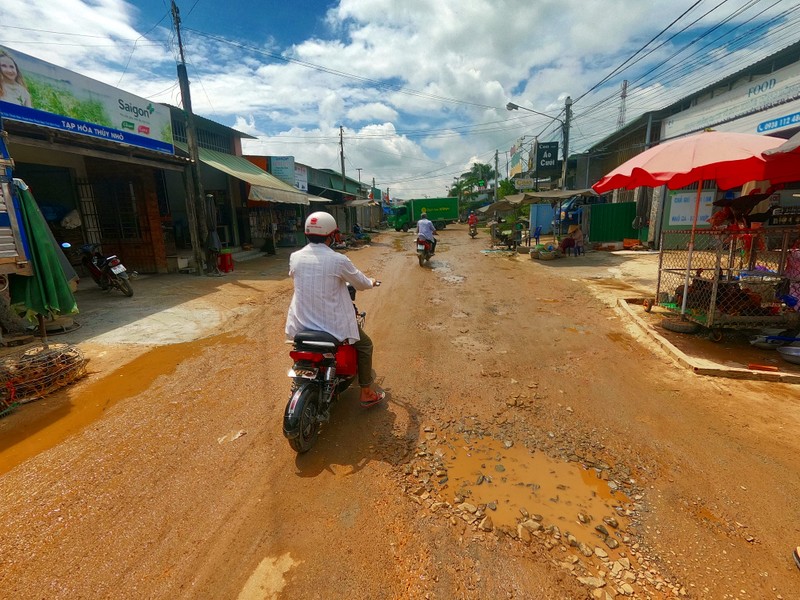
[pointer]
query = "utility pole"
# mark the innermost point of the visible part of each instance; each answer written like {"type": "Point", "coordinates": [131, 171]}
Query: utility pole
{"type": "Point", "coordinates": [344, 182]}
{"type": "Point", "coordinates": [195, 205]}
{"type": "Point", "coordinates": [341, 156]}
{"type": "Point", "coordinates": [567, 116]}
{"type": "Point", "coordinates": [496, 176]}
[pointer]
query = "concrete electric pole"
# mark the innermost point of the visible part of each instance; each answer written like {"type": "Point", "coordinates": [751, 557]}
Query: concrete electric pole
{"type": "Point", "coordinates": [567, 117]}
{"type": "Point", "coordinates": [195, 202]}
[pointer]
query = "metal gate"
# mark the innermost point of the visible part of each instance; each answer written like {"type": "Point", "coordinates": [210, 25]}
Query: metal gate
{"type": "Point", "coordinates": [109, 211]}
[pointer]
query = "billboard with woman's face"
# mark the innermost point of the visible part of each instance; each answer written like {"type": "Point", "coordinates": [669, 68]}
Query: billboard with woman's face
{"type": "Point", "coordinates": [37, 92]}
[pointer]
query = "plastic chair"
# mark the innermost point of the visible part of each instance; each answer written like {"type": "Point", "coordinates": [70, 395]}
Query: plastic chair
{"type": "Point", "coordinates": [537, 233]}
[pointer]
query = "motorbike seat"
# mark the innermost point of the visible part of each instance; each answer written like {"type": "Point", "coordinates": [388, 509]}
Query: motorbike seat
{"type": "Point", "coordinates": [315, 340]}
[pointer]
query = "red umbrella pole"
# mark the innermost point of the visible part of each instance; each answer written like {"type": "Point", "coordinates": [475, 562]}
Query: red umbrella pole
{"type": "Point", "coordinates": [691, 247]}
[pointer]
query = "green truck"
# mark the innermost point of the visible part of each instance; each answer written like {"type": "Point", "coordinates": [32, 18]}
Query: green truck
{"type": "Point", "coordinates": [439, 210]}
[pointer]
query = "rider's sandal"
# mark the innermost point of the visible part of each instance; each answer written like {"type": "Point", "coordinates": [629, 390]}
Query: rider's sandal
{"type": "Point", "coordinates": [378, 397]}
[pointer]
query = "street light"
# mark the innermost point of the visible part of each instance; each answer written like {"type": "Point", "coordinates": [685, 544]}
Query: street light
{"type": "Point", "coordinates": [564, 130]}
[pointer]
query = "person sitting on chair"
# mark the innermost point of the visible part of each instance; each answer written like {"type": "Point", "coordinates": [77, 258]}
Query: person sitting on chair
{"type": "Point", "coordinates": [567, 243]}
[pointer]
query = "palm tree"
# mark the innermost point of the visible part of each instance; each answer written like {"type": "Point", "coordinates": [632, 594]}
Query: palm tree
{"type": "Point", "coordinates": [477, 173]}
{"type": "Point", "coordinates": [458, 189]}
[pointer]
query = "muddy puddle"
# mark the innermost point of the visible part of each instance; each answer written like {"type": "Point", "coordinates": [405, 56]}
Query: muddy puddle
{"type": "Point", "coordinates": [71, 409]}
{"type": "Point", "coordinates": [511, 482]}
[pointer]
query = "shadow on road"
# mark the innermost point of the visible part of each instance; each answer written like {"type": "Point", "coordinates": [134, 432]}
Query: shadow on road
{"type": "Point", "coordinates": [355, 436]}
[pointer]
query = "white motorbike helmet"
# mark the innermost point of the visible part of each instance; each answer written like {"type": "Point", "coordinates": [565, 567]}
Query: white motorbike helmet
{"type": "Point", "coordinates": [321, 223]}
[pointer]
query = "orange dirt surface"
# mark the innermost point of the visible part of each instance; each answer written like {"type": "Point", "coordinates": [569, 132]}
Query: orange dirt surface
{"type": "Point", "coordinates": [164, 474]}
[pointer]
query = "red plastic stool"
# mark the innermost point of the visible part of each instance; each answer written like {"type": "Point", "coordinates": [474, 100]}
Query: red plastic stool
{"type": "Point", "coordinates": [225, 262]}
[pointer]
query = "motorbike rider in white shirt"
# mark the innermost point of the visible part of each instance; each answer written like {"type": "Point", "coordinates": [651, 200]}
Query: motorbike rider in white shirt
{"type": "Point", "coordinates": [321, 301]}
{"type": "Point", "coordinates": [426, 229]}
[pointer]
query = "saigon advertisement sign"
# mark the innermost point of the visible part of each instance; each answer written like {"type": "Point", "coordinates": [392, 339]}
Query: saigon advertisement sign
{"type": "Point", "coordinates": [38, 92]}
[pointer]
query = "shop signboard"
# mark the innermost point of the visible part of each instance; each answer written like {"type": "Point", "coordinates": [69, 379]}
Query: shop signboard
{"type": "Point", "coordinates": [762, 106]}
{"type": "Point", "coordinates": [547, 163]}
{"type": "Point", "coordinates": [517, 162]}
{"type": "Point", "coordinates": [301, 177]}
{"type": "Point", "coordinates": [524, 183]}
{"type": "Point", "coordinates": [682, 206]}
{"type": "Point", "coordinates": [283, 168]}
{"type": "Point", "coordinates": [47, 95]}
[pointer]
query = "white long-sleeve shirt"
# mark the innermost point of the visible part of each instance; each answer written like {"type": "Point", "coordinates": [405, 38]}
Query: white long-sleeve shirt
{"type": "Point", "coordinates": [321, 301]}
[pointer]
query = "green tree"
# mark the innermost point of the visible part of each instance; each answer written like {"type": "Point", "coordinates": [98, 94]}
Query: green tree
{"type": "Point", "coordinates": [479, 176]}
{"type": "Point", "coordinates": [506, 189]}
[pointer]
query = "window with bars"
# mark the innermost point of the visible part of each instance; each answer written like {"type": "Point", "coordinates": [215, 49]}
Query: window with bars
{"type": "Point", "coordinates": [109, 211]}
{"type": "Point", "coordinates": [205, 138]}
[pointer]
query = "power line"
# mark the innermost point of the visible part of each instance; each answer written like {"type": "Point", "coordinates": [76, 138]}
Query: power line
{"type": "Point", "coordinates": [125, 70]}
{"type": "Point", "coordinates": [627, 60]}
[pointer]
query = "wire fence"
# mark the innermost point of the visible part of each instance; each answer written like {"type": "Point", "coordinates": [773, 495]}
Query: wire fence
{"type": "Point", "coordinates": [35, 372]}
{"type": "Point", "coordinates": [744, 278]}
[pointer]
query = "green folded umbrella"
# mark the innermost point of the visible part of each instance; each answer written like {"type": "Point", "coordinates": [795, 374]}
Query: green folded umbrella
{"type": "Point", "coordinates": [47, 291]}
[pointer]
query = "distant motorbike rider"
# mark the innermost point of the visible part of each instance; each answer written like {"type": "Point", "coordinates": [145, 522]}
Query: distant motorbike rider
{"type": "Point", "coordinates": [426, 230]}
{"type": "Point", "coordinates": [473, 219]}
{"type": "Point", "coordinates": [321, 301]}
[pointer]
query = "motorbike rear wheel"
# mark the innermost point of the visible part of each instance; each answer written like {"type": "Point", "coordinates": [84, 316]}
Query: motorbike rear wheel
{"type": "Point", "coordinates": [309, 425]}
{"type": "Point", "coordinates": [124, 286]}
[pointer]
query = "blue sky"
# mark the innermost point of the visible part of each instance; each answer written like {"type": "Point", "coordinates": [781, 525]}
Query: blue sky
{"type": "Point", "coordinates": [420, 86]}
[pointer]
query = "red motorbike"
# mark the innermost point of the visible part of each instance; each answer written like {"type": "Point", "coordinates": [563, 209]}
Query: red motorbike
{"type": "Point", "coordinates": [424, 250]}
{"type": "Point", "coordinates": [323, 368]}
{"type": "Point", "coordinates": [107, 271]}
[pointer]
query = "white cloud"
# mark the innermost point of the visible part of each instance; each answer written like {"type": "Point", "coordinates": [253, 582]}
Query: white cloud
{"type": "Point", "coordinates": [458, 63]}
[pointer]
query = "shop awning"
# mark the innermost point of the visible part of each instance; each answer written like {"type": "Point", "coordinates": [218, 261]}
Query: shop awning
{"type": "Point", "coordinates": [265, 194]}
{"type": "Point", "coordinates": [264, 186]}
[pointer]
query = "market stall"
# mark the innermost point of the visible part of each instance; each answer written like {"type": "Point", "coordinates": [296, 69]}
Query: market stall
{"type": "Point", "coordinates": [732, 275]}
{"type": "Point", "coordinates": [740, 278]}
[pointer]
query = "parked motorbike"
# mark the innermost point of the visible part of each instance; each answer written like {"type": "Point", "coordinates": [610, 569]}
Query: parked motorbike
{"type": "Point", "coordinates": [107, 271]}
{"type": "Point", "coordinates": [424, 250]}
{"type": "Point", "coordinates": [323, 368]}
{"type": "Point", "coordinates": [473, 231]}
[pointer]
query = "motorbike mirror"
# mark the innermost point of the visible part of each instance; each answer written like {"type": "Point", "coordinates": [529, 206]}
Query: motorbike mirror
{"type": "Point", "coordinates": [66, 245]}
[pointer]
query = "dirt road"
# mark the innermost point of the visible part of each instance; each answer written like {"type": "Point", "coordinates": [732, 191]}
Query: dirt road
{"type": "Point", "coordinates": [533, 445]}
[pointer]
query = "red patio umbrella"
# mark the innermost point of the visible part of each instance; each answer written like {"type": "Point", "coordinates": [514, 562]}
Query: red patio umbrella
{"type": "Point", "coordinates": [783, 162]}
{"type": "Point", "coordinates": [731, 159]}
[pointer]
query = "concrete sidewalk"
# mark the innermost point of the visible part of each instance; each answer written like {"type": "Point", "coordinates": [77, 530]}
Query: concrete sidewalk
{"type": "Point", "coordinates": [175, 307]}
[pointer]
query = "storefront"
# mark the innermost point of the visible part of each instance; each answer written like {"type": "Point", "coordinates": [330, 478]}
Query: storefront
{"type": "Point", "coordinates": [96, 159]}
{"type": "Point", "coordinates": [278, 207]}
